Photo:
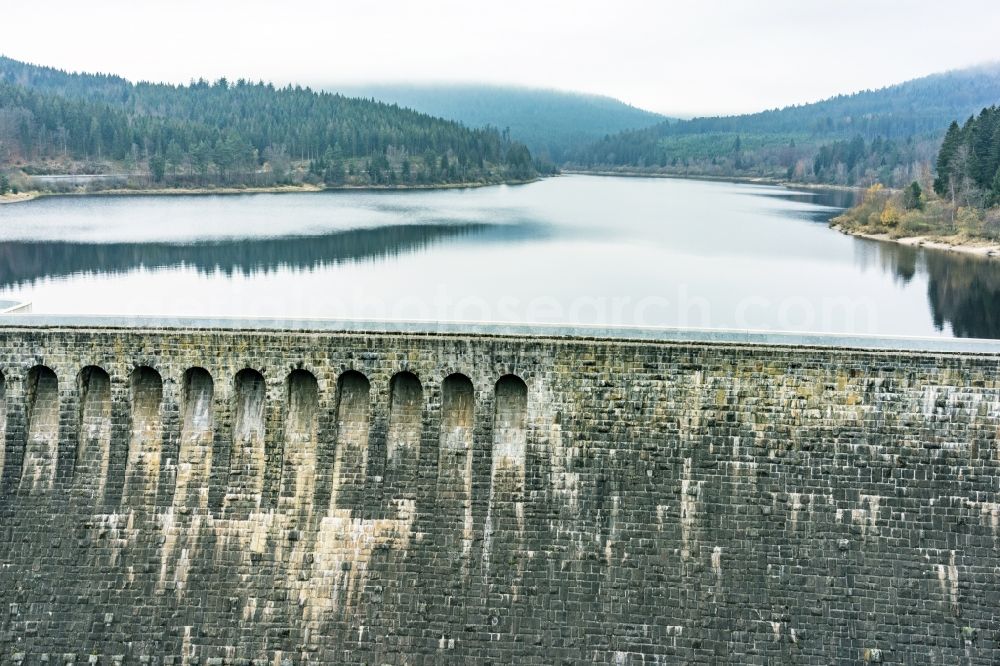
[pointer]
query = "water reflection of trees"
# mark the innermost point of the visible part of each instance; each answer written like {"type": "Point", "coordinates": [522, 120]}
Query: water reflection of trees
{"type": "Point", "coordinates": [829, 198]}
{"type": "Point", "coordinates": [26, 261]}
{"type": "Point", "coordinates": [963, 291]}
{"type": "Point", "coordinates": [823, 204]}
{"type": "Point", "coordinates": [902, 262]}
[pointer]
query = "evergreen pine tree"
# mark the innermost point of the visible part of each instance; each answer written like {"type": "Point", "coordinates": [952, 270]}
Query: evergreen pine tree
{"type": "Point", "coordinates": [952, 140]}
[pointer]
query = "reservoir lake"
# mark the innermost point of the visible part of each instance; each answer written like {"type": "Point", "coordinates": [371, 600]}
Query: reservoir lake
{"type": "Point", "coordinates": [593, 250]}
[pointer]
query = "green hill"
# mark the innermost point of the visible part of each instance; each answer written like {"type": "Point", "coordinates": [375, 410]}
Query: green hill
{"type": "Point", "coordinates": [887, 134]}
{"type": "Point", "coordinates": [551, 123]}
{"type": "Point", "coordinates": [235, 133]}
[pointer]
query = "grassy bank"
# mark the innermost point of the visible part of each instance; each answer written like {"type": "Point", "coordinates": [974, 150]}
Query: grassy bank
{"type": "Point", "coordinates": [913, 217]}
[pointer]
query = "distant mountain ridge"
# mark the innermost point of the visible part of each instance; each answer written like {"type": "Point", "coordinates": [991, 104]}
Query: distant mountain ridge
{"type": "Point", "coordinates": [926, 104]}
{"type": "Point", "coordinates": [898, 123]}
{"type": "Point", "coordinates": [551, 123]}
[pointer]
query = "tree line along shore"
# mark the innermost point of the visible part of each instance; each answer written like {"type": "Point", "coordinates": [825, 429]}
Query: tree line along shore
{"type": "Point", "coordinates": [18, 196]}
{"type": "Point", "coordinates": [230, 134]}
{"type": "Point", "coordinates": [70, 133]}
{"type": "Point", "coordinates": [959, 208]}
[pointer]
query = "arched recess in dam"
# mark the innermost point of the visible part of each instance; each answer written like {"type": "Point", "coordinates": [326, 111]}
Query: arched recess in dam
{"type": "Point", "coordinates": [194, 459]}
{"type": "Point", "coordinates": [93, 446]}
{"type": "Point", "coordinates": [247, 449]}
{"type": "Point", "coordinates": [145, 447]}
{"type": "Point", "coordinates": [402, 450]}
{"type": "Point", "coordinates": [505, 515]}
{"type": "Point", "coordinates": [350, 459]}
{"type": "Point", "coordinates": [298, 475]}
{"type": "Point", "coordinates": [455, 456]}
{"type": "Point", "coordinates": [509, 439]}
{"type": "Point", "coordinates": [41, 443]}
{"type": "Point", "coordinates": [3, 424]}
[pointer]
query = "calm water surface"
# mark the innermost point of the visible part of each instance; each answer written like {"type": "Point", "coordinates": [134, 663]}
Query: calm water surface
{"type": "Point", "coordinates": [573, 249]}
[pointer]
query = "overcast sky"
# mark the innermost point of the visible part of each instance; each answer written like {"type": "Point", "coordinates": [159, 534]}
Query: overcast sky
{"type": "Point", "coordinates": [678, 57]}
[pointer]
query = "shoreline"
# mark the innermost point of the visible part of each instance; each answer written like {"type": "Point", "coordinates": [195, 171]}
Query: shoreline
{"type": "Point", "coordinates": [751, 180]}
{"type": "Point", "coordinates": [18, 198]}
{"type": "Point", "coordinates": [983, 249]}
{"type": "Point", "coordinates": [306, 188]}
{"type": "Point", "coordinates": [273, 189]}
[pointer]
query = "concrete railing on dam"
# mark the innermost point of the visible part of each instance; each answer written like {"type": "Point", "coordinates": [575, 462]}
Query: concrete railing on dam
{"type": "Point", "coordinates": [288, 494]}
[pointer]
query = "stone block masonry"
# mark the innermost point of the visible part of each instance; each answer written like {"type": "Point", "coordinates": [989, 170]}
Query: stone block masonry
{"type": "Point", "coordinates": [292, 497]}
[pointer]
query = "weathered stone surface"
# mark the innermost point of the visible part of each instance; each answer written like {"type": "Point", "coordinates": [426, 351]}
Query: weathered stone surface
{"type": "Point", "coordinates": [238, 497]}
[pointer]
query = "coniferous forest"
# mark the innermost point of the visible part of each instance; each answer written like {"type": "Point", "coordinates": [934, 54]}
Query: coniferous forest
{"type": "Point", "coordinates": [234, 133]}
{"type": "Point", "coordinates": [968, 164]}
{"type": "Point", "coordinates": [889, 136]}
{"type": "Point", "coordinates": [964, 199]}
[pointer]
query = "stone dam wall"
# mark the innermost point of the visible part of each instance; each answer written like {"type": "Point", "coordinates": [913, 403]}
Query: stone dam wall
{"type": "Point", "coordinates": [255, 497]}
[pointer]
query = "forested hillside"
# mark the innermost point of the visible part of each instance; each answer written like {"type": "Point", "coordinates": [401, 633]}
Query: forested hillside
{"type": "Point", "coordinates": [968, 165]}
{"type": "Point", "coordinates": [234, 133]}
{"type": "Point", "coordinates": [889, 135]}
{"type": "Point", "coordinates": [551, 123]}
{"type": "Point", "coordinates": [965, 200]}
